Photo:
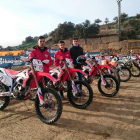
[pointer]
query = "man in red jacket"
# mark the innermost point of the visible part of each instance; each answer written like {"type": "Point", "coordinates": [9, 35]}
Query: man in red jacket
{"type": "Point", "coordinates": [41, 52]}
{"type": "Point", "coordinates": [64, 53]}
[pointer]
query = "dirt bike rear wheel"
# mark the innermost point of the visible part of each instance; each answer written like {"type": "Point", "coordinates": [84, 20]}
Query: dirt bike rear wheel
{"type": "Point", "coordinates": [4, 100]}
{"type": "Point", "coordinates": [52, 110]}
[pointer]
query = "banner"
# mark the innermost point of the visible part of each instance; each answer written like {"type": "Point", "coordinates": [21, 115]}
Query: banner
{"type": "Point", "coordinates": [11, 61]}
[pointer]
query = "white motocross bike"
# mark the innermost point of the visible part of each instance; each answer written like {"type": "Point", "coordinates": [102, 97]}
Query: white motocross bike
{"type": "Point", "coordinates": [19, 85]}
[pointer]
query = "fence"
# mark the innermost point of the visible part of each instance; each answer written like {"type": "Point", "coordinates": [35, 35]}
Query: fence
{"type": "Point", "coordinates": [11, 61]}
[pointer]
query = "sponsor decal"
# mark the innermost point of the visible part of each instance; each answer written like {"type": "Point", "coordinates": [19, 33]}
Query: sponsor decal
{"type": "Point", "coordinates": [2, 78]}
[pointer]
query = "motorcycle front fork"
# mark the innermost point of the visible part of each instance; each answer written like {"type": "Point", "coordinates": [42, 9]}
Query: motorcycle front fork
{"type": "Point", "coordinates": [103, 80]}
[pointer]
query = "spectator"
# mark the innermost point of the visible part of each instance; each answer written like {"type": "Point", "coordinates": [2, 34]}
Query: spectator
{"type": "Point", "coordinates": [75, 51]}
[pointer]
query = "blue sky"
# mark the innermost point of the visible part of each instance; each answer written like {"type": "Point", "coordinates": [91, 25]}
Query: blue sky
{"type": "Point", "coordinates": [22, 18]}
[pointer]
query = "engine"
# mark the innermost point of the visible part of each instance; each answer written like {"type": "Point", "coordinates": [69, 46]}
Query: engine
{"type": "Point", "coordinates": [18, 90]}
{"type": "Point", "coordinates": [56, 86]}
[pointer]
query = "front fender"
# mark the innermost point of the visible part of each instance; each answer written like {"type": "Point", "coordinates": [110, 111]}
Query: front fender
{"type": "Point", "coordinates": [77, 70]}
{"type": "Point", "coordinates": [42, 74]}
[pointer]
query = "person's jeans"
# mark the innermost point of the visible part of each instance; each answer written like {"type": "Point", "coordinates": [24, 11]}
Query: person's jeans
{"type": "Point", "coordinates": [80, 78]}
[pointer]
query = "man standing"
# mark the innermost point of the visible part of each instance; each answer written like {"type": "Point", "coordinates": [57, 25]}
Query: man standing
{"type": "Point", "coordinates": [41, 52]}
{"type": "Point", "coordinates": [64, 53]}
{"type": "Point", "coordinates": [76, 51]}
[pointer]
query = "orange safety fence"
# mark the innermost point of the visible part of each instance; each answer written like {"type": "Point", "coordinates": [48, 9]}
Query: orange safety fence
{"type": "Point", "coordinates": [12, 53]}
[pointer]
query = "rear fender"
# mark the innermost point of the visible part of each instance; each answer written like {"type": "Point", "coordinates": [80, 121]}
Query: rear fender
{"type": "Point", "coordinates": [5, 79]}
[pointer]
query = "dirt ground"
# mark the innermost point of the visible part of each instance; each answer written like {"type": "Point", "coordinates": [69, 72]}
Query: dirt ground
{"type": "Point", "coordinates": [116, 118]}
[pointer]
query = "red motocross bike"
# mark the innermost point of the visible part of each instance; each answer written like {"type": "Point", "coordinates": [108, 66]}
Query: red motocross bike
{"type": "Point", "coordinates": [108, 85]}
{"type": "Point", "coordinates": [79, 93]}
{"type": "Point", "coordinates": [18, 85]}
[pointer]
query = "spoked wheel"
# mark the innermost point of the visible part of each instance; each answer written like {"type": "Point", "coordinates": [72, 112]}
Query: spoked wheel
{"type": "Point", "coordinates": [111, 87]}
{"type": "Point", "coordinates": [115, 74]}
{"type": "Point", "coordinates": [135, 70]}
{"type": "Point", "coordinates": [4, 101]}
{"type": "Point", "coordinates": [52, 110]}
{"type": "Point", "coordinates": [124, 73]}
{"type": "Point", "coordinates": [84, 96]}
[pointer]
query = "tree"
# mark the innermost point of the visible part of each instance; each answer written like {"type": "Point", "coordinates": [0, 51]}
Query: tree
{"type": "Point", "coordinates": [45, 35]}
{"type": "Point", "coordinates": [64, 31]}
{"type": "Point", "coordinates": [138, 16]}
{"type": "Point", "coordinates": [36, 38]}
{"type": "Point", "coordinates": [86, 26]}
{"type": "Point", "coordinates": [29, 39]}
{"type": "Point", "coordinates": [115, 18]}
{"type": "Point", "coordinates": [93, 30]}
{"type": "Point", "coordinates": [78, 30]}
{"type": "Point", "coordinates": [106, 20]}
{"type": "Point", "coordinates": [123, 17]}
{"type": "Point", "coordinates": [86, 29]}
{"type": "Point", "coordinates": [1, 47]}
{"type": "Point", "coordinates": [9, 48]}
{"type": "Point", "coordinates": [97, 21]}
{"type": "Point", "coordinates": [136, 25]}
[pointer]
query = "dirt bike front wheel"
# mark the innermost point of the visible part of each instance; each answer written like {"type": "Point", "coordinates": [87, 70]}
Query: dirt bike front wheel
{"type": "Point", "coordinates": [84, 96]}
{"type": "Point", "coordinates": [135, 70]}
{"type": "Point", "coordinates": [52, 110]}
{"type": "Point", "coordinates": [124, 73]}
{"type": "Point", "coordinates": [111, 88]}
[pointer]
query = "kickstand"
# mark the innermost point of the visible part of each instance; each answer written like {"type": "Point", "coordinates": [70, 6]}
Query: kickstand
{"type": "Point", "coordinates": [26, 105]}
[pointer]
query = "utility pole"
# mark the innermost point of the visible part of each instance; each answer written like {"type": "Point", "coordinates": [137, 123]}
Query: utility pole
{"type": "Point", "coordinates": [119, 18]}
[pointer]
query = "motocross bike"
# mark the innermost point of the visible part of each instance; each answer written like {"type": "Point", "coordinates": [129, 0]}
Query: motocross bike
{"type": "Point", "coordinates": [109, 66]}
{"type": "Point", "coordinates": [103, 60]}
{"type": "Point", "coordinates": [18, 85]}
{"type": "Point", "coordinates": [116, 63]}
{"type": "Point", "coordinates": [79, 93]}
{"type": "Point", "coordinates": [107, 84]}
{"type": "Point", "coordinates": [131, 63]}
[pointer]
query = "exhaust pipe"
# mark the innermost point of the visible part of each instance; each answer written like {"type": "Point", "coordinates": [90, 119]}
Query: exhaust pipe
{"type": "Point", "coordinates": [5, 94]}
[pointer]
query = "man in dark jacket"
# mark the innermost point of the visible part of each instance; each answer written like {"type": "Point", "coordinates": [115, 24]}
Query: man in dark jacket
{"type": "Point", "coordinates": [76, 51]}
